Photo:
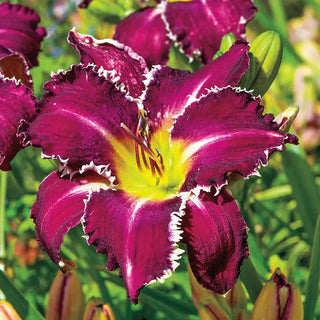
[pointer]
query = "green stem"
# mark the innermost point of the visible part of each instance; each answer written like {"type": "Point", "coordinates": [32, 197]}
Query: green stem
{"type": "Point", "coordinates": [314, 276]}
{"type": "Point", "coordinates": [251, 280]}
{"type": "Point", "coordinates": [3, 192]}
{"type": "Point", "coordinates": [23, 307]}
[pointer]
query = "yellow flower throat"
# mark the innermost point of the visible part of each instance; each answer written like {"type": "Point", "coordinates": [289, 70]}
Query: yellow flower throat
{"type": "Point", "coordinates": [149, 166]}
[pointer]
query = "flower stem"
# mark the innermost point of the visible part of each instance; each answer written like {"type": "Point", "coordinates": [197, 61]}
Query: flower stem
{"type": "Point", "coordinates": [3, 192]}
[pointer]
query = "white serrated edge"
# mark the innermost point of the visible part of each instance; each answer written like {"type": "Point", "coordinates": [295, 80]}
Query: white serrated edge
{"type": "Point", "coordinates": [149, 77]}
{"type": "Point", "coordinates": [132, 54]}
{"type": "Point", "coordinates": [260, 162]}
{"type": "Point", "coordinates": [162, 7]}
{"type": "Point", "coordinates": [175, 231]}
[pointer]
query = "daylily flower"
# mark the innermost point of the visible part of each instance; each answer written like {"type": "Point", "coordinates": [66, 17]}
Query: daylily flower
{"type": "Point", "coordinates": [150, 160]}
{"type": "Point", "coordinates": [16, 102]}
{"type": "Point", "coordinates": [20, 40]}
{"type": "Point", "coordinates": [19, 46]}
{"type": "Point", "coordinates": [84, 3]}
{"type": "Point", "coordinates": [196, 26]}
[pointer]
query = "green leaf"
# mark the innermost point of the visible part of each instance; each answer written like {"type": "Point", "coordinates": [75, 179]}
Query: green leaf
{"type": "Point", "coordinates": [251, 280]}
{"type": "Point", "coordinates": [304, 187]}
{"type": "Point", "coordinates": [25, 310]}
{"type": "Point", "coordinates": [314, 276]}
{"type": "Point", "coordinates": [175, 308]}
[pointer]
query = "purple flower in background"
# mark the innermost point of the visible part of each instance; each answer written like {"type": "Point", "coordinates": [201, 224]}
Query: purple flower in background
{"type": "Point", "coordinates": [149, 152]}
{"type": "Point", "coordinates": [197, 26]}
{"type": "Point", "coordinates": [19, 46]}
{"type": "Point", "coordinates": [84, 3]}
{"type": "Point", "coordinates": [20, 40]}
{"type": "Point", "coordinates": [16, 102]}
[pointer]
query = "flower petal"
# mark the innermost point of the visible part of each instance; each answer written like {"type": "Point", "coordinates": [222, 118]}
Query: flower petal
{"type": "Point", "coordinates": [200, 33]}
{"type": "Point", "coordinates": [216, 238]}
{"type": "Point", "coordinates": [226, 132]}
{"type": "Point", "coordinates": [138, 235]}
{"type": "Point", "coordinates": [145, 32]}
{"type": "Point", "coordinates": [84, 3]}
{"type": "Point", "coordinates": [170, 91]}
{"type": "Point", "coordinates": [90, 111]}
{"type": "Point", "coordinates": [19, 31]}
{"type": "Point", "coordinates": [112, 56]}
{"type": "Point", "coordinates": [59, 207]}
{"type": "Point", "coordinates": [16, 103]}
{"type": "Point", "coordinates": [14, 65]}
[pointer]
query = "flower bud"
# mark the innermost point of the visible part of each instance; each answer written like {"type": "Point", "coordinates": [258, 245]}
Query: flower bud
{"type": "Point", "coordinates": [7, 312]}
{"type": "Point", "coordinates": [210, 305]}
{"type": "Point", "coordinates": [66, 298]}
{"type": "Point", "coordinates": [226, 42]}
{"type": "Point", "coordinates": [285, 118]}
{"type": "Point", "coordinates": [278, 300]}
{"type": "Point", "coordinates": [95, 310]}
{"type": "Point", "coordinates": [237, 300]}
{"type": "Point", "coordinates": [265, 58]}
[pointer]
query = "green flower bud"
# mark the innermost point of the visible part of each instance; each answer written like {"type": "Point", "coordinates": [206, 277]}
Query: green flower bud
{"type": "Point", "coordinates": [265, 58]}
{"type": "Point", "coordinates": [226, 42]}
{"type": "Point", "coordinates": [285, 118]}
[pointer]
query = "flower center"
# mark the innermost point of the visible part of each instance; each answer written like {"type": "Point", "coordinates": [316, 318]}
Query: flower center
{"type": "Point", "coordinates": [150, 166]}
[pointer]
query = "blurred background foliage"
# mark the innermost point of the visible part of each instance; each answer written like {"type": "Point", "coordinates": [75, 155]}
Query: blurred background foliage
{"type": "Point", "coordinates": [281, 207]}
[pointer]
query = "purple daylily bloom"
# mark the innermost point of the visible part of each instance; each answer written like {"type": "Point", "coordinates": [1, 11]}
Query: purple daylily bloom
{"type": "Point", "coordinates": [19, 46]}
{"type": "Point", "coordinates": [16, 102]}
{"type": "Point", "coordinates": [146, 33]}
{"type": "Point", "coordinates": [150, 162]}
{"type": "Point", "coordinates": [20, 40]}
{"type": "Point", "coordinates": [197, 26]}
{"type": "Point", "coordinates": [84, 3]}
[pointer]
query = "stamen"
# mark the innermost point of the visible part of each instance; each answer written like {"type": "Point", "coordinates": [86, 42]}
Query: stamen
{"type": "Point", "coordinates": [147, 149]}
{"type": "Point", "coordinates": [156, 167]}
{"type": "Point", "coordinates": [141, 140]}
{"type": "Point", "coordinates": [144, 159]}
{"type": "Point", "coordinates": [136, 149]}
{"type": "Point", "coordinates": [161, 159]}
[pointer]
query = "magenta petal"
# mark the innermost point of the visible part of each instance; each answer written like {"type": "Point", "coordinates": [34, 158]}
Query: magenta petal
{"type": "Point", "coordinates": [78, 116]}
{"type": "Point", "coordinates": [200, 33]}
{"type": "Point", "coordinates": [145, 32]}
{"type": "Point", "coordinates": [112, 56]}
{"type": "Point", "coordinates": [170, 91]}
{"type": "Point", "coordinates": [216, 238]}
{"type": "Point", "coordinates": [226, 132]}
{"type": "Point", "coordinates": [137, 235]}
{"type": "Point", "coordinates": [84, 3]}
{"type": "Point", "coordinates": [19, 31]}
{"type": "Point", "coordinates": [59, 207]}
{"type": "Point", "coordinates": [14, 65]}
{"type": "Point", "coordinates": [16, 103]}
